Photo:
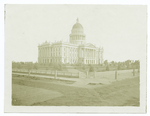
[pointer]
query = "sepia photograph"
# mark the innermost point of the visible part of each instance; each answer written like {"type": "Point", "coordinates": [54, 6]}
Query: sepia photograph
{"type": "Point", "coordinates": [73, 56]}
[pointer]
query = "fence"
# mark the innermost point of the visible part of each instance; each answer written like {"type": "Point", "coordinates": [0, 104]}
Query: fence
{"type": "Point", "coordinates": [50, 73]}
{"type": "Point", "coordinates": [120, 74]}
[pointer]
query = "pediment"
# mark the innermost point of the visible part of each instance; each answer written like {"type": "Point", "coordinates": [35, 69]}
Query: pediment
{"type": "Point", "coordinates": [90, 45]}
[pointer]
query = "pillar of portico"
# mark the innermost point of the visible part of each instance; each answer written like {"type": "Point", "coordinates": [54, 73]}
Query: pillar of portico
{"type": "Point", "coordinates": [43, 52]}
{"type": "Point", "coordinates": [87, 53]}
{"type": "Point", "coordinates": [40, 52]}
{"type": "Point", "coordinates": [93, 54]}
{"type": "Point", "coordinates": [84, 53]}
{"type": "Point", "coordinates": [47, 51]}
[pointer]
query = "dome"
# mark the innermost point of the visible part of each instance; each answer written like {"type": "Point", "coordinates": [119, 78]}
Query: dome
{"type": "Point", "coordinates": [77, 35]}
{"type": "Point", "coordinates": [77, 25]}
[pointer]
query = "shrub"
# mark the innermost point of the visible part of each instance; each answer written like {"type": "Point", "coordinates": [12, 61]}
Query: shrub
{"type": "Point", "coordinates": [60, 66]}
{"type": "Point", "coordinates": [47, 68]}
{"type": "Point", "coordinates": [36, 66]}
{"type": "Point", "coordinates": [56, 66]}
{"type": "Point", "coordinates": [91, 69]}
{"type": "Point", "coordinates": [14, 65]}
{"type": "Point", "coordinates": [119, 67]}
{"type": "Point", "coordinates": [29, 66]}
{"type": "Point", "coordinates": [107, 68]}
{"type": "Point", "coordinates": [83, 67]}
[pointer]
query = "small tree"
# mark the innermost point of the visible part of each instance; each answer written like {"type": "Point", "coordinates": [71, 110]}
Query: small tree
{"type": "Point", "coordinates": [91, 68]}
{"type": "Point", "coordinates": [29, 67]}
{"type": "Point", "coordinates": [60, 66]}
{"type": "Point", "coordinates": [105, 62]}
{"type": "Point", "coordinates": [50, 64]}
{"type": "Point", "coordinates": [83, 66]}
{"type": "Point", "coordinates": [107, 68]}
{"type": "Point", "coordinates": [47, 68]}
{"type": "Point", "coordinates": [137, 63]}
{"type": "Point", "coordinates": [112, 62]}
{"type": "Point", "coordinates": [127, 63]}
{"type": "Point", "coordinates": [119, 66]}
{"type": "Point", "coordinates": [19, 66]}
{"type": "Point", "coordinates": [36, 66]}
{"type": "Point", "coordinates": [14, 65]}
{"type": "Point", "coordinates": [55, 66]}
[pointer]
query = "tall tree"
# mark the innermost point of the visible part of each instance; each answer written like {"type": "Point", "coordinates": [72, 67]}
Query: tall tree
{"type": "Point", "coordinates": [127, 63]}
{"type": "Point", "coordinates": [106, 62]}
{"type": "Point", "coordinates": [112, 62]}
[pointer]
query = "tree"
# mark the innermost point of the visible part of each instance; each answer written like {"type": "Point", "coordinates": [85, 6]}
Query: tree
{"type": "Point", "coordinates": [105, 62]}
{"type": "Point", "coordinates": [107, 68]}
{"type": "Point", "coordinates": [83, 66]}
{"type": "Point", "coordinates": [91, 68]}
{"type": "Point", "coordinates": [136, 63]}
{"type": "Point", "coordinates": [14, 65]}
{"type": "Point", "coordinates": [127, 63]}
{"type": "Point", "coordinates": [60, 66]}
{"type": "Point", "coordinates": [29, 67]}
{"type": "Point", "coordinates": [36, 66]}
{"type": "Point", "coordinates": [47, 68]}
{"type": "Point", "coordinates": [56, 66]}
{"type": "Point", "coordinates": [19, 66]}
{"type": "Point", "coordinates": [50, 64]}
{"type": "Point", "coordinates": [21, 62]}
{"type": "Point", "coordinates": [119, 65]}
{"type": "Point", "coordinates": [112, 62]}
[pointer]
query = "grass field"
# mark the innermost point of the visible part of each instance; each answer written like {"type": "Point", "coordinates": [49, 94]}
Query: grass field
{"type": "Point", "coordinates": [119, 93]}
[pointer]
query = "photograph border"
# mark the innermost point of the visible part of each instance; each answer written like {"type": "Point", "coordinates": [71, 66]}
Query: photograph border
{"type": "Point", "coordinates": [73, 109]}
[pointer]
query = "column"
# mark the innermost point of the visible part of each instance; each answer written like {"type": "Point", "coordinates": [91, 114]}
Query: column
{"type": "Point", "coordinates": [92, 54]}
{"type": "Point", "coordinates": [43, 52]}
{"type": "Point", "coordinates": [84, 52]}
{"type": "Point", "coordinates": [47, 51]}
{"type": "Point", "coordinates": [40, 52]}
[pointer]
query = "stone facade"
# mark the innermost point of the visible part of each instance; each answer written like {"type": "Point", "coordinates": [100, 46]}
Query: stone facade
{"type": "Point", "coordinates": [72, 52]}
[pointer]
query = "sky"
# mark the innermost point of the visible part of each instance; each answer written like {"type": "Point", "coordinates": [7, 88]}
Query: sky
{"type": "Point", "coordinates": [120, 29]}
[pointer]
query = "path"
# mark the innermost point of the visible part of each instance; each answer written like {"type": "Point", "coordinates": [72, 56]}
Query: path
{"type": "Point", "coordinates": [47, 76]}
{"type": "Point", "coordinates": [71, 69]}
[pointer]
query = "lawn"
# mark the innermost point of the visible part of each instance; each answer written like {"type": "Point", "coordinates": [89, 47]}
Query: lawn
{"type": "Point", "coordinates": [25, 95]}
{"type": "Point", "coordinates": [119, 93]}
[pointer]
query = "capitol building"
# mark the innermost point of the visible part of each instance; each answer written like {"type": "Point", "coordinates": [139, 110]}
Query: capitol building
{"type": "Point", "coordinates": [72, 52]}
